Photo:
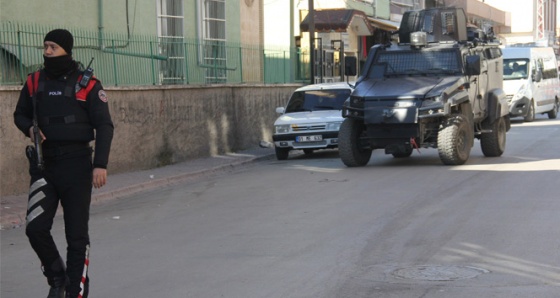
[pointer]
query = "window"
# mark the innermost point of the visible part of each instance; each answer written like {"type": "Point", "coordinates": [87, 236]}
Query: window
{"type": "Point", "coordinates": [170, 35]}
{"type": "Point", "coordinates": [493, 53]}
{"type": "Point", "coordinates": [515, 69]}
{"type": "Point", "coordinates": [448, 22]}
{"type": "Point", "coordinates": [549, 68]}
{"type": "Point", "coordinates": [428, 25]}
{"type": "Point", "coordinates": [407, 62]}
{"type": "Point", "coordinates": [317, 100]}
{"type": "Point", "coordinates": [212, 16]}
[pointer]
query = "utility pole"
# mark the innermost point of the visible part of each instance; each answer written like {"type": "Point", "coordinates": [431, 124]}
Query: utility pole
{"type": "Point", "coordinates": [292, 42]}
{"type": "Point", "coordinates": [312, 39]}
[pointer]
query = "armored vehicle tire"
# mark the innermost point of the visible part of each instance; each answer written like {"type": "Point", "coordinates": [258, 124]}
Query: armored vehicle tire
{"type": "Point", "coordinates": [552, 114]}
{"type": "Point", "coordinates": [493, 144]}
{"type": "Point", "coordinates": [455, 140]}
{"type": "Point", "coordinates": [349, 145]}
{"type": "Point", "coordinates": [308, 151]}
{"type": "Point", "coordinates": [531, 113]}
{"type": "Point", "coordinates": [403, 154]}
{"type": "Point", "coordinates": [282, 153]}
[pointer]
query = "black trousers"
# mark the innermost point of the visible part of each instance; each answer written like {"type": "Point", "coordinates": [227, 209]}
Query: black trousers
{"type": "Point", "coordinates": [65, 179]}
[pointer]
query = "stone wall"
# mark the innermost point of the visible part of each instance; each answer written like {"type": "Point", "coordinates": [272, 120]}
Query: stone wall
{"type": "Point", "coordinates": [160, 125]}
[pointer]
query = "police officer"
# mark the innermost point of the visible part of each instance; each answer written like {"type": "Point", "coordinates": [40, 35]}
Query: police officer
{"type": "Point", "coordinates": [69, 117]}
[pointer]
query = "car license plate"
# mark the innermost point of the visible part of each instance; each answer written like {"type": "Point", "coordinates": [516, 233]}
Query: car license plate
{"type": "Point", "coordinates": [316, 138]}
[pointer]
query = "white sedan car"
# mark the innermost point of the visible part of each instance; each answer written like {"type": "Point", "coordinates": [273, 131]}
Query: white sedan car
{"type": "Point", "coordinates": [311, 119]}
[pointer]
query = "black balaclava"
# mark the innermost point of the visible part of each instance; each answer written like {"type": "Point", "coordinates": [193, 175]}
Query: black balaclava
{"type": "Point", "coordinates": [58, 66]}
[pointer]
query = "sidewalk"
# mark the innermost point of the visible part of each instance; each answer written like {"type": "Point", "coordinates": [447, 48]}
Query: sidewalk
{"type": "Point", "coordinates": [13, 208]}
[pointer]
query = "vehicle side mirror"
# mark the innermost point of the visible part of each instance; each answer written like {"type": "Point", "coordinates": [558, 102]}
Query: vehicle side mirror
{"type": "Point", "coordinates": [280, 110]}
{"type": "Point", "coordinates": [537, 76]}
{"type": "Point", "coordinates": [350, 63]}
{"type": "Point", "coordinates": [473, 65]}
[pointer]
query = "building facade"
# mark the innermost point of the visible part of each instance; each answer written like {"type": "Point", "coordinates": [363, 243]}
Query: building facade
{"type": "Point", "coordinates": [534, 22]}
{"type": "Point", "coordinates": [181, 41]}
{"type": "Point", "coordinates": [352, 27]}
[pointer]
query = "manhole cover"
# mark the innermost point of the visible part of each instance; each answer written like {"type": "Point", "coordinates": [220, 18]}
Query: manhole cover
{"type": "Point", "coordinates": [439, 273]}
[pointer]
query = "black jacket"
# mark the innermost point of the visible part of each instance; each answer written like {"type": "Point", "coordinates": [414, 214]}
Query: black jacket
{"type": "Point", "coordinates": [89, 115]}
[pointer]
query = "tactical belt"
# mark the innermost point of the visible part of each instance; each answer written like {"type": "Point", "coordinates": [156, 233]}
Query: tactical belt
{"type": "Point", "coordinates": [57, 150]}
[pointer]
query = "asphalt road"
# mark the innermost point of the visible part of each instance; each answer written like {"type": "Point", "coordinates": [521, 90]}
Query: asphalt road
{"type": "Point", "coordinates": [310, 227]}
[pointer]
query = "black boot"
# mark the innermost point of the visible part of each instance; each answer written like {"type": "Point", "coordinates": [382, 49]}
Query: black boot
{"type": "Point", "coordinates": [74, 292]}
{"type": "Point", "coordinates": [57, 292]}
{"type": "Point", "coordinates": [56, 277]}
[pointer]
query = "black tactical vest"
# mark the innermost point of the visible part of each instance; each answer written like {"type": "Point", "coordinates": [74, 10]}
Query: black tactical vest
{"type": "Point", "coordinates": [61, 115]}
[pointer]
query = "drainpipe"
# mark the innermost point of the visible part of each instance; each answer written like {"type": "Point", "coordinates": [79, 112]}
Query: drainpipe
{"type": "Point", "coordinates": [101, 38]}
{"type": "Point", "coordinates": [100, 23]}
{"type": "Point", "coordinates": [312, 39]}
{"type": "Point", "coordinates": [292, 51]}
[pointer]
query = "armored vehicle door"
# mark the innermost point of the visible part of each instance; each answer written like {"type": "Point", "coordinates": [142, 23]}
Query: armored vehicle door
{"type": "Point", "coordinates": [479, 87]}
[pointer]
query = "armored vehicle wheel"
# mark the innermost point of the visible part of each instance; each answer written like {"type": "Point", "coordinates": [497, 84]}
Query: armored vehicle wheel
{"type": "Point", "coordinates": [554, 112]}
{"type": "Point", "coordinates": [282, 153]}
{"type": "Point", "coordinates": [308, 151]}
{"type": "Point", "coordinates": [455, 140]}
{"type": "Point", "coordinates": [531, 113]}
{"type": "Point", "coordinates": [349, 145]}
{"type": "Point", "coordinates": [403, 154]}
{"type": "Point", "coordinates": [493, 144]}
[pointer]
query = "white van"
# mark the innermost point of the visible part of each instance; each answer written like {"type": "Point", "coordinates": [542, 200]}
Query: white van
{"type": "Point", "coordinates": [531, 81]}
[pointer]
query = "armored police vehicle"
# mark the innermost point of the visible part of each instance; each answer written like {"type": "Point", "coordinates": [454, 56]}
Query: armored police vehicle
{"type": "Point", "coordinates": [439, 87]}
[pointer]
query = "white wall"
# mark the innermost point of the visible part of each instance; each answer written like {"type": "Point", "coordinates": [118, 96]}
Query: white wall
{"type": "Point", "coordinates": [277, 23]}
{"type": "Point", "coordinates": [522, 13]}
{"type": "Point", "coordinates": [277, 18]}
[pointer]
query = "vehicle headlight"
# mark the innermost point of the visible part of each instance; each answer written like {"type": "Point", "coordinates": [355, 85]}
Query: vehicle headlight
{"type": "Point", "coordinates": [356, 102]}
{"type": "Point", "coordinates": [334, 126]}
{"type": "Point", "coordinates": [431, 103]}
{"type": "Point", "coordinates": [285, 128]}
{"type": "Point", "coordinates": [431, 106]}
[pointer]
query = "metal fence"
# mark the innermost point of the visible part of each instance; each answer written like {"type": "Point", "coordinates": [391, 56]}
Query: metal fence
{"type": "Point", "coordinates": [148, 60]}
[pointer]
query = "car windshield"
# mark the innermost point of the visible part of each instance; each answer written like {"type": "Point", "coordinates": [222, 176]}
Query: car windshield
{"type": "Point", "coordinates": [515, 69]}
{"type": "Point", "coordinates": [317, 100]}
{"type": "Point", "coordinates": [416, 63]}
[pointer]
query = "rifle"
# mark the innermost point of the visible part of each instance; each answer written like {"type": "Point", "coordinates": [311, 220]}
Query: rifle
{"type": "Point", "coordinates": [37, 136]}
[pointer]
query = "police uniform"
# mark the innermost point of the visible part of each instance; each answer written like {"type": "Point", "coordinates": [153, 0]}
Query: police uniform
{"type": "Point", "coordinates": [70, 117]}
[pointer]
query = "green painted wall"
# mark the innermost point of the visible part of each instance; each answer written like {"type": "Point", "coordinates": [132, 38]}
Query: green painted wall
{"type": "Point", "coordinates": [142, 15]}
{"type": "Point", "coordinates": [59, 12]}
{"type": "Point", "coordinates": [233, 23]}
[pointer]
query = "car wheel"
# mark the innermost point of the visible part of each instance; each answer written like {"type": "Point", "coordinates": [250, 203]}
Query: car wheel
{"type": "Point", "coordinates": [350, 148]}
{"type": "Point", "coordinates": [531, 113]}
{"type": "Point", "coordinates": [552, 114]}
{"type": "Point", "coordinates": [282, 153]}
{"type": "Point", "coordinates": [493, 144]}
{"type": "Point", "coordinates": [455, 140]}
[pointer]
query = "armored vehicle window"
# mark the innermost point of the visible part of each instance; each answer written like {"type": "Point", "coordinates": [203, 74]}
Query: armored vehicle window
{"type": "Point", "coordinates": [420, 62]}
{"type": "Point", "coordinates": [428, 25]}
{"type": "Point", "coordinates": [377, 71]}
{"type": "Point", "coordinates": [448, 21]}
{"type": "Point", "coordinates": [317, 100]}
{"type": "Point", "coordinates": [493, 53]}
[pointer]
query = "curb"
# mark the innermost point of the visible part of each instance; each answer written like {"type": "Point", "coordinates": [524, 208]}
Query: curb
{"type": "Point", "coordinates": [15, 217]}
{"type": "Point", "coordinates": [169, 181]}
